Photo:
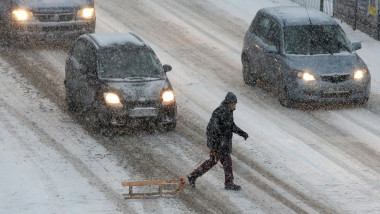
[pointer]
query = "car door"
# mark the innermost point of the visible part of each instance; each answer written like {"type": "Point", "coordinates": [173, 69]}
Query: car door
{"type": "Point", "coordinates": [73, 73]}
{"type": "Point", "coordinates": [5, 13]}
{"type": "Point", "coordinates": [91, 80]}
{"type": "Point", "coordinates": [271, 52]}
{"type": "Point", "coordinates": [256, 52]}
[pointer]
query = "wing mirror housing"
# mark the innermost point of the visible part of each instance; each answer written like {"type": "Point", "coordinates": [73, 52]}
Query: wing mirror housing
{"type": "Point", "coordinates": [167, 68]}
{"type": "Point", "coordinates": [271, 49]}
{"type": "Point", "coordinates": [356, 46]}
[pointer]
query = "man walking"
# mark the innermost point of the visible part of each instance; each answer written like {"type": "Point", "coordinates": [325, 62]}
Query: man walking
{"type": "Point", "coordinates": [219, 139]}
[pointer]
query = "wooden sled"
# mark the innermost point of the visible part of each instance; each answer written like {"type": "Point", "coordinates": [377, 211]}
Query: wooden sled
{"type": "Point", "coordinates": [166, 189]}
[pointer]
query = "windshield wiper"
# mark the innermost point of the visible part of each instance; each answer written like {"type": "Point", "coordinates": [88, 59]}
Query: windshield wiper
{"type": "Point", "coordinates": [340, 44]}
{"type": "Point", "coordinates": [143, 78]}
{"type": "Point", "coordinates": [135, 77]}
{"type": "Point", "coordinates": [315, 41]}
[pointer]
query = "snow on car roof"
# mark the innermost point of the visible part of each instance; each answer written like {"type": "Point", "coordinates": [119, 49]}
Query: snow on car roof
{"type": "Point", "coordinates": [116, 39]}
{"type": "Point", "coordinates": [299, 15]}
{"type": "Point", "coordinates": [53, 3]}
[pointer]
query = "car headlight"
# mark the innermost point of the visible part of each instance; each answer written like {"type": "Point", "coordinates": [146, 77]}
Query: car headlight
{"type": "Point", "coordinates": [306, 76]}
{"type": "Point", "coordinates": [359, 74]}
{"type": "Point", "coordinates": [22, 15]}
{"type": "Point", "coordinates": [112, 99]}
{"type": "Point", "coordinates": [167, 97]}
{"type": "Point", "coordinates": [86, 13]}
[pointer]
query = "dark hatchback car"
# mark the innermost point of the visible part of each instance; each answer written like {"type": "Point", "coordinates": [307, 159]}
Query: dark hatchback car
{"type": "Point", "coordinates": [304, 56]}
{"type": "Point", "coordinates": [119, 79]}
{"type": "Point", "coordinates": [46, 18]}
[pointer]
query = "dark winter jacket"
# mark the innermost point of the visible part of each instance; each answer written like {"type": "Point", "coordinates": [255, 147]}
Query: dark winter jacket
{"type": "Point", "coordinates": [221, 127]}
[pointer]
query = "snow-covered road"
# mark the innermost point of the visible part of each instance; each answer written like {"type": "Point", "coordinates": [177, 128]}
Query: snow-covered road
{"type": "Point", "coordinates": [325, 160]}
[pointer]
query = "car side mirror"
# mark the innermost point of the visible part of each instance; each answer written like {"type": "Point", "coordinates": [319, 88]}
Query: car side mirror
{"type": "Point", "coordinates": [167, 68]}
{"type": "Point", "coordinates": [271, 49]}
{"type": "Point", "coordinates": [356, 46]}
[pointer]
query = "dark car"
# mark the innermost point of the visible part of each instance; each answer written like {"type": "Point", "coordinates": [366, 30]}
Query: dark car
{"type": "Point", "coordinates": [120, 80]}
{"type": "Point", "coordinates": [304, 56]}
{"type": "Point", "coordinates": [46, 18]}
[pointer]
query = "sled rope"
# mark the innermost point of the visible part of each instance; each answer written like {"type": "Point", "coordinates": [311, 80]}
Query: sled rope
{"type": "Point", "coordinates": [199, 163]}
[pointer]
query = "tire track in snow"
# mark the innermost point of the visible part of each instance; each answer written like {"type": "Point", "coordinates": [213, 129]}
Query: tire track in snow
{"type": "Point", "coordinates": [37, 76]}
{"type": "Point", "coordinates": [196, 56]}
{"type": "Point", "coordinates": [289, 204]}
{"type": "Point", "coordinates": [150, 165]}
{"type": "Point", "coordinates": [35, 70]}
{"type": "Point", "coordinates": [262, 99]}
{"type": "Point", "coordinates": [75, 161]}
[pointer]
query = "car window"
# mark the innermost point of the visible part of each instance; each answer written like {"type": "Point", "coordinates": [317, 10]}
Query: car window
{"type": "Point", "coordinates": [78, 50]}
{"type": "Point", "coordinates": [272, 37]}
{"type": "Point", "coordinates": [254, 23]}
{"type": "Point", "coordinates": [315, 39]}
{"type": "Point", "coordinates": [121, 63]}
{"type": "Point", "coordinates": [91, 60]}
{"type": "Point", "coordinates": [262, 27]}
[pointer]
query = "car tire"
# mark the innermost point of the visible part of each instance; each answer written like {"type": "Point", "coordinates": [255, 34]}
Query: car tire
{"type": "Point", "coordinates": [71, 106]}
{"type": "Point", "coordinates": [250, 77]}
{"type": "Point", "coordinates": [10, 41]}
{"type": "Point", "coordinates": [283, 94]}
{"type": "Point", "coordinates": [363, 101]}
{"type": "Point", "coordinates": [170, 126]}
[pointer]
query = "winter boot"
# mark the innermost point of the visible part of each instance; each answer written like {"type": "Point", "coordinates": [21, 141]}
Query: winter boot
{"type": "Point", "coordinates": [191, 181]}
{"type": "Point", "coordinates": [233, 187]}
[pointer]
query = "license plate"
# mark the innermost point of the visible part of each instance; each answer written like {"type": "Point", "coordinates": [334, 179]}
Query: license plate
{"type": "Point", "coordinates": [337, 90]}
{"type": "Point", "coordinates": [143, 112]}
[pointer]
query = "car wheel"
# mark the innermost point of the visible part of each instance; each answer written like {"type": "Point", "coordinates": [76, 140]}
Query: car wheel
{"type": "Point", "coordinates": [98, 123]}
{"type": "Point", "coordinates": [283, 95]}
{"type": "Point", "coordinates": [71, 106]}
{"type": "Point", "coordinates": [250, 77]}
{"type": "Point", "coordinates": [170, 126]}
{"type": "Point", "coordinates": [363, 101]}
{"type": "Point", "coordinates": [9, 41]}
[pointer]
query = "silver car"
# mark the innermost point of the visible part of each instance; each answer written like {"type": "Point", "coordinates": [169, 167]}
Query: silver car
{"type": "Point", "coordinates": [304, 56]}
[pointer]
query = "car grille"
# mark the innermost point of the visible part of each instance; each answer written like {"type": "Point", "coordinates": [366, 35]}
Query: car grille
{"type": "Point", "coordinates": [144, 104]}
{"type": "Point", "coordinates": [335, 78]}
{"type": "Point", "coordinates": [336, 95]}
{"type": "Point", "coordinates": [55, 17]}
{"type": "Point", "coordinates": [59, 29]}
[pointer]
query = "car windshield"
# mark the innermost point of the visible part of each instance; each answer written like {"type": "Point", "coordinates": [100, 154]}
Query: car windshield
{"type": "Point", "coordinates": [315, 39]}
{"type": "Point", "coordinates": [115, 63]}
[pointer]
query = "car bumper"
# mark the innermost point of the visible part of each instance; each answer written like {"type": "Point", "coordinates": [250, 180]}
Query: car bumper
{"type": "Point", "coordinates": [53, 29]}
{"type": "Point", "coordinates": [128, 117]}
{"type": "Point", "coordinates": [325, 92]}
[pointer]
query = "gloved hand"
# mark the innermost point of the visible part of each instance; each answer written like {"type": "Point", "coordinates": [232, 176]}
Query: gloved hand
{"type": "Point", "coordinates": [244, 135]}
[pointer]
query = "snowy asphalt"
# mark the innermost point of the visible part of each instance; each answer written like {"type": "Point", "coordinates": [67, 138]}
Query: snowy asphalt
{"type": "Point", "coordinates": [323, 160]}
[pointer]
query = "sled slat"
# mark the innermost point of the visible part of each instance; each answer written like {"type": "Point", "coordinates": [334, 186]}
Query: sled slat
{"type": "Point", "coordinates": [179, 184]}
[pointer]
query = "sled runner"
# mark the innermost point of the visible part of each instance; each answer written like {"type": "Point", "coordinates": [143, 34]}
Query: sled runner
{"type": "Point", "coordinates": [166, 189]}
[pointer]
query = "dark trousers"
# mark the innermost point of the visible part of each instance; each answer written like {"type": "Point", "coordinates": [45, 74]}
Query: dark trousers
{"type": "Point", "coordinates": [226, 161]}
